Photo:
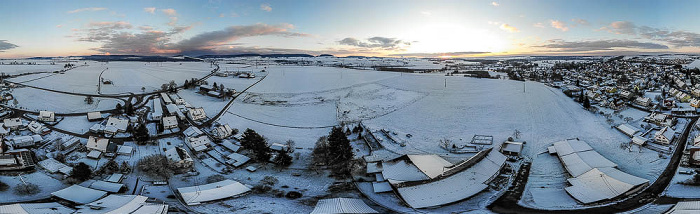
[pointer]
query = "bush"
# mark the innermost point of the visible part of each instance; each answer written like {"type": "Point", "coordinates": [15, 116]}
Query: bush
{"type": "Point", "coordinates": [215, 178]}
{"type": "Point", "coordinates": [27, 189]}
{"type": "Point", "coordinates": [3, 186]}
{"type": "Point", "coordinates": [269, 180]}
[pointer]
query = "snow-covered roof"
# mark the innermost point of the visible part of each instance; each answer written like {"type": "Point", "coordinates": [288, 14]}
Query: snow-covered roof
{"type": "Point", "coordinates": [456, 187]}
{"type": "Point", "coordinates": [666, 132]}
{"type": "Point", "coordinates": [170, 121]}
{"type": "Point", "coordinates": [115, 178]}
{"type": "Point", "coordinates": [581, 162]}
{"type": "Point", "coordinates": [114, 204]}
{"type": "Point", "coordinates": [51, 165]}
{"type": "Point", "coordinates": [601, 184]}
{"type": "Point", "coordinates": [94, 154]}
{"type": "Point", "coordinates": [514, 147]}
{"type": "Point", "coordinates": [683, 207]}
{"type": "Point", "coordinates": [627, 129]}
{"type": "Point", "coordinates": [230, 145]}
{"type": "Point", "coordinates": [570, 146]}
{"type": "Point", "coordinates": [99, 144]}
{"type": "Point", "coordinates": [96, 115]}
{"type": "Point", "coordinates": [192, 131]}
{"type": "Point", "coordinates": [116, 123]}
{"type": "Point", "coordinates": [237, 159]}
{"type": "Point", "coordinates": [27, 208]}
{"type": "Point", "coordinates": [195, 195]}
{"type": "Point", "coordinates": [430, 165]}
{"type": "Point", "coordinates": [342, 205]}
{"type": "Point", "coordinates": [79, 194]}
{"type": "Point", "coordinates": [380, 187]}
{"type": "Point", "coordinates": [199, 143]}
{"type": "Point", "coordinates": [12, 122]}
{"type": "Point", "coordinates": [105, 186]}
{"type": "Point", "coordinates": [374, 167]}
{"type": "Point", "coordinates": [401, 170]}
{"type": "Point", "coordinates": [639, 140]}
{"type": "Point", "coordinates": [124, 150]}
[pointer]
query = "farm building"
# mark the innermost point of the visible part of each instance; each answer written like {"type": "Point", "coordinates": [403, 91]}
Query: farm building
{"type": "Point", "coordinates": [113, 204]}
{"type": "Point", "coordinates": [157, 110]}
{"type": "Point", "coordinates": [211, 192]}
{"type": "Point", "coordinates": [46, 116]}
{"type": "Point", "coordinates": [197, 114]}
{"type": "Point", "coordinates": [342, 205]}
{"type": "Point", "coordinates": [181, 158]}
{"type": "Point", "coordinates": [79, 195]}
{"type": "Point", "coordinates": [98, 144]}
{"type": "Point", "coordinates": [594, 177]}
{"type": "Point", "coordinates": [170, 122]}
{"type": "Point", "coordinates": [94, 116]}
{"type": "Point", "coordinates": [221, 132]}
{"type": "Point", "coordinates": [200, 143]}
{"type": "Point", "coordinates": [13, 123]}
{"type": "Point", "coordinates": [627, 129]}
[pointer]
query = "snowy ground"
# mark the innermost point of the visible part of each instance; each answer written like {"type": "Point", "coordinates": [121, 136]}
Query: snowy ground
{"type": "Point", "coordinates": [126, 76]}
{"type": "Point", "coordinates": [35, 100]}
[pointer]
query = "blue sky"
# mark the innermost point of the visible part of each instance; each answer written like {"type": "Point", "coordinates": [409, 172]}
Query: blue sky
{"type": "Point", "coordinates": [372, 28]}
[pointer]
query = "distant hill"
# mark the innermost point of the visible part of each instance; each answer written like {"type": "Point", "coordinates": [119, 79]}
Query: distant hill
{"type": "Point", "coordinates": [252, 55]}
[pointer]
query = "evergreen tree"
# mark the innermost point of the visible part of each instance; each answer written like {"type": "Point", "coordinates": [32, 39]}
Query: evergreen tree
{"type": "Point", "coordinates": [586, 103]}
{"type": "Point", "coordinates": [339, 146]}
{"type": "Point", "coordinates": [283, 159]}
{"type": "Point", "coordinates": [81, 172]}
{"type": "Point", "coordinates": [255, 142]}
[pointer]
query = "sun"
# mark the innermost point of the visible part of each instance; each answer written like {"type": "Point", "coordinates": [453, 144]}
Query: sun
{"type": "Point", "coordinates": [451, 37]}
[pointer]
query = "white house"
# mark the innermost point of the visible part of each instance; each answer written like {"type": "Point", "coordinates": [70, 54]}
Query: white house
{"type": "Point", "coordinates": [98, 144]}
{"type": "Point", "coordinates": [157, 110]}
{"type": "Point", "coordinates": [170, 122]}
{"type": "Point", "coordinates": [664, 136]}
{"type": "Point", "coordinates": [643, 101]}
{"type": "Point", "coordinates": [181, 158]}
{"type": "Point", "coordinates": [36, 127]}
{"type": "Point", "coordinates": [197, 114]}
{"type": "Point", "coordinates": [200, 143]}
{"type": "Point", "coordinates": [221, 132]}
{"type": "Point", "coordinates": [94, 116]}
{"type": "Point", "coordinates": [46, 116]}
{"type": "Point", "coordinates": [13, 123]}
{"type": "Point", "coordinates": [115, 125]}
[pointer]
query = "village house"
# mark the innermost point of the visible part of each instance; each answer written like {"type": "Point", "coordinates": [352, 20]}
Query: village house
{"type": "Point", "coordinates": [157, 110]}
{"type": "Point", "coordinates": [46, 116]}
{"type": "Point", "coordinates": [13, 123]}
{"type": "Point", "coordinates": [115, 125]}
{"type": "Point", "coordinates": [25, 141]}
{"type": "Point", "coordinates": [94, 116]}
{"type": "Point", "coordinates": [664, 136]}
{"type": "Point", "coordinates": [98, 144]}
{"type": "Point", "coordinates": [38, 128]}
{"type": "Point", "coordinates": [170, 122]}
{"type": "Point", "coordinates": [643, 101]}
{"type": "Point", "coordinates": [180, 157]}
{"type": "Point", "coordinates": [626, 94]}
{"type": "Point", "coordinates": [695, 103]}
{"type": "Point", "coordinates": [221, 132]}
{"type": "Point", "coordinates": [197, 114]}
{"type": "Point", "coordinates": [200, 143]}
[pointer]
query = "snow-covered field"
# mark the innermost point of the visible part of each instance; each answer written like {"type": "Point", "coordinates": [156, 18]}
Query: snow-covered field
{"type": "Point", "coordinates": [35, 99]}
{"type": "Point", "coordinates": [125, 76]}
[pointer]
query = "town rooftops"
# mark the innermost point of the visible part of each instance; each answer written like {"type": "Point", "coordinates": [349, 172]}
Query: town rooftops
{"type": "Point", "coordinates": [79, 195]}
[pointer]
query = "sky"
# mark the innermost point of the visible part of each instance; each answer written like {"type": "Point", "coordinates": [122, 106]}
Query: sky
{"type": "Point", "coordinates": [343, 28]}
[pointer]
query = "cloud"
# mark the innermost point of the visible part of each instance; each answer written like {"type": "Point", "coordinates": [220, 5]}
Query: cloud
{"type": "Point", "coordinates": [222, 15]}
{"type": "Point", "coordinates": [580, 22]}
{"type": "Point", "coordinates": [265, 7]}
{"type": "Point", "coordinates": [538, 24]}
{"type": "Point", "coordinates": [111, 25]}
{"type": "Point", "coordinates": [4, 45]}
{"type": "Point", "coordinates": [151, 10]}
{"type": "Point", "coordinates": [169, 12]}
{"type": "Point", "coordinates": [87, 9]}
{"type": "Point", "coordinates": [212, 39]}
{"type": "Point", "coordinates": [495, 4]}
{"type": "Point", "coordinates": [675, 38]}
{"type": "Point", "coordinates": [621, 27]}
{"type": "Point", "coordinates": [145, 27]}
{"type": "Point", "coordinates": [59, 26]}
{"type": "Point", "coordinates": [434, 55]}
{"type": "Point", "coordinates": [377, 42]}
{"type": "Point", "coordinates": [599, 45]}
{"type": "Point", "coordinates": [173, 21]}
{"type": "Point", "coordinates": [426, 13]}
{"type": "Point", "coordinates": [509, 28]}
{"type": "Point", "coordinates": [559, 25]}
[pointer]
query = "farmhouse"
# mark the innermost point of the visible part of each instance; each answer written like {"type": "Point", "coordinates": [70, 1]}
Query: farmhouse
{"type": "Point", "coordinates": [46, 116]}
{"type": "Point", "coordinates": [181, 158]}
{"type": "Point", "coordinates": [236, 159]}
{"type": "Point", "coordinates": [25, 141]}
{"type": "Point", "coordinates": [594, 177]}
{"type": "Point", "coordinates": [643, 101]}
{"type": "Point", "coordinates": [342, 205]}
{"type": "Point", "coordinates": [79, 195]}
{"type": "Point", "coordinates": [192, 131]}
{"type": "Point", "coordinates": [113, 204]}
{"type": "Point", "coordinates": [196, 114]}
{"type": "Point", "coordinates": [13, 123]}
{"type": "Point", "coordinates": [221, 132]}
{"type": "Point", "coordinates": [627, 129]}
{"type": "Point", "coordinates": [115, 125]}
{"type": "Point", "coordinates": [98, 144]}
{"type": "Point", "coordinates": [166, 98]}
{"type": "Point", "coordinates": [200, 143]}
{"type": "Point", "coordinates": [664, 136]}
{"type": "Point", "coordinates": [511, 148]}
{"type": "Point", "coordinates": [170, 122]}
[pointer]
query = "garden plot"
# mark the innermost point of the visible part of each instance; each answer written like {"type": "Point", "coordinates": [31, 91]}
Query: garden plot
{"type": "Point", "coordinates": [125, 76]}
{"type": "Point", "coordinates": [35, 100]}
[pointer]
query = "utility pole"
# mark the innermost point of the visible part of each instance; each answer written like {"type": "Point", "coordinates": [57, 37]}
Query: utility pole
{"type": "Point", "coordinates": [445, 82]}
